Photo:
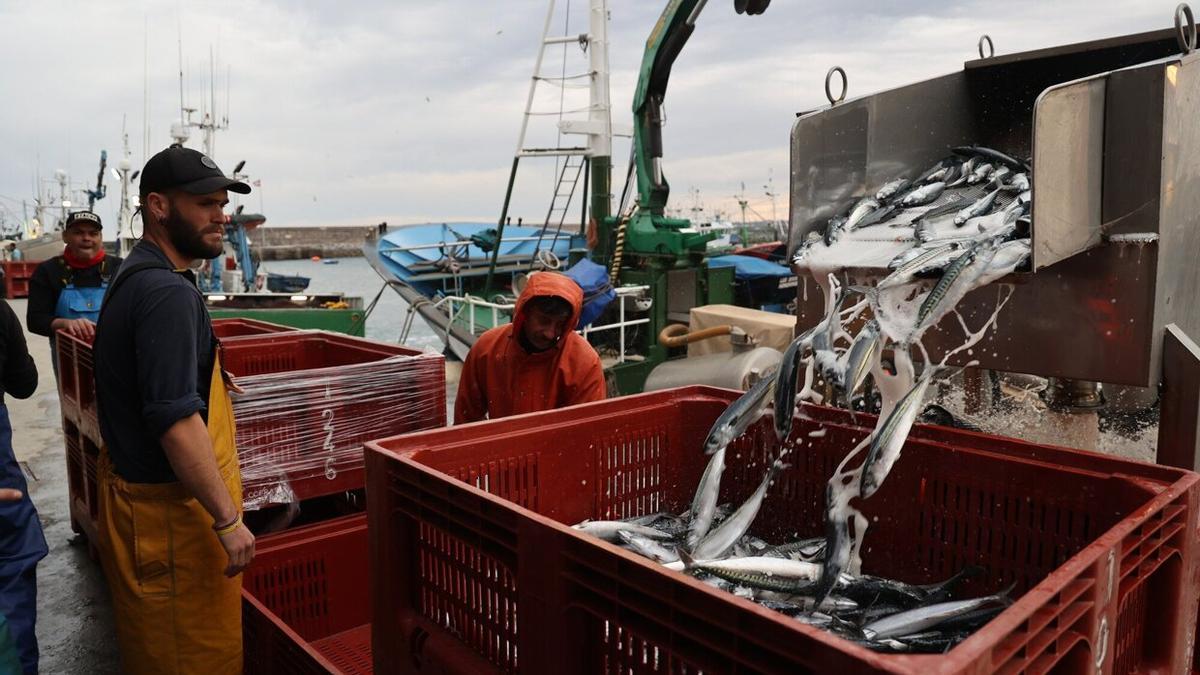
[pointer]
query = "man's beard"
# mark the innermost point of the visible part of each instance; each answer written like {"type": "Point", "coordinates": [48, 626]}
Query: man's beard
{"type": "Point", "coordinates": [187, 240]}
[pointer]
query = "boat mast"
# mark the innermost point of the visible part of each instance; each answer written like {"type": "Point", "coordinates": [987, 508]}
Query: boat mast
{"type": "Point", "coordinates": [598, 127]}
{"type": "Point", "coordinates": [64, 195]}
{"type": "Point", "coordinates": [125, 236]}
{"type": "Point", "coordinates": [601, 133]}
{"type": "Point", "coordinates": [209, 124]}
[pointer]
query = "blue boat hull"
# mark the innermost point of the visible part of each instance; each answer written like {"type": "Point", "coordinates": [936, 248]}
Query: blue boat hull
{"type": "Point", "coordinates": [279, 283]}
{"type": "Point", "coordinates": [418, 267]}
{"type": "Point", "coordinates": [422, 275]}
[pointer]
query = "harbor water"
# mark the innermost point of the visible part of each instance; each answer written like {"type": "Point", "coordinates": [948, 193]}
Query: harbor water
{"type": "Point", "coordinates": [353, 277]}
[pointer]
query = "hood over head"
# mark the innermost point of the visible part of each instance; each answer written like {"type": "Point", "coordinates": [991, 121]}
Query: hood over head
{"type": "Point", "coordinates": [549, 284]}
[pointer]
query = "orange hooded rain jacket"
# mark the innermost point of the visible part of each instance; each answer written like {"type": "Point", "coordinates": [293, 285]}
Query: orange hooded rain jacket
{"type": "Point", "coordinates": [500, 378]}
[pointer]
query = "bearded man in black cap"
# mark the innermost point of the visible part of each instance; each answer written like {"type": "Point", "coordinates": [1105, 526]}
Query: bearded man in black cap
{"type": "Point", "coordinates": [172, 539]}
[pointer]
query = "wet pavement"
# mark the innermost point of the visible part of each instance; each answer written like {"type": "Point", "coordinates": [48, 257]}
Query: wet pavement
{"type": "Point", "coordinates": [75, 626]}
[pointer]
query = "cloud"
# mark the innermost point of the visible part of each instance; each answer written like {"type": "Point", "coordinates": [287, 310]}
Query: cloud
{"type": "Point", "coordinates": [409, 110]}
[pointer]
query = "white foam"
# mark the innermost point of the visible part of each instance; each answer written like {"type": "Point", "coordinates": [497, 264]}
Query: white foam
{"type": "Point", "coordinates": [1133, 238]}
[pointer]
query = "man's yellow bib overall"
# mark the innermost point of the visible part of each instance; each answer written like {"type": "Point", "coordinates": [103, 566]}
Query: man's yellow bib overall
{"type": "Point", "coordinates": [176, 611]}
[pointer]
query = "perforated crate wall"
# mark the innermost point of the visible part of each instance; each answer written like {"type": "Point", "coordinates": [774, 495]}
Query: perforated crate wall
{"type": "Point", "coordinates": [305, 601]}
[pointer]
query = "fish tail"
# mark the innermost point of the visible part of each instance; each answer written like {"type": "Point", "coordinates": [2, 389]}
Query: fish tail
{"type": "Point", "coordinates": [867, 291]}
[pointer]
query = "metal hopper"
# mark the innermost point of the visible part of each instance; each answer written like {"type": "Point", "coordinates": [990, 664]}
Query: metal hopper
{"type": "Point", "coordinates": [1074, 110]}
{"type": "Point", "coordinates": [1110, 127]}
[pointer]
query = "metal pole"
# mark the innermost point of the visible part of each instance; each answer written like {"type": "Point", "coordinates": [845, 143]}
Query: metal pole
{"type": "Point", "coordinates": [583, 221]}
{"type": "Point", "coordinates": [512, 178]}
{"type": "Point", "coordinates": [537, 72]}
{"type": "Point", "coordinates": [621, 314]}
{"type": "Point", "coordinates": [600, 145]}
{"type": "Point", "coordinates": [601, 105]}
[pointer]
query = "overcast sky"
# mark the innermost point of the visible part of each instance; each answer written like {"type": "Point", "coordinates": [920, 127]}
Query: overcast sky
{"type": "Point", "coordinates": [352, 113]}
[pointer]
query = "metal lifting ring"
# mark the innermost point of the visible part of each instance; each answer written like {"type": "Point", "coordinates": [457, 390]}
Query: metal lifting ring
{"type": "Point", "coordinates": [1185, 34]}
{"type": "Point", "coordinates": [548, 259]}
{"type": "Point", "coordinates": [829, 80]}
{"type": "Point", "coordinates": [991, 47]}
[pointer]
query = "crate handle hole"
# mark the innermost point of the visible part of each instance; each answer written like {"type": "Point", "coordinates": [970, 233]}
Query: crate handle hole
{"type": "Point", "coordinates": [417, 641]}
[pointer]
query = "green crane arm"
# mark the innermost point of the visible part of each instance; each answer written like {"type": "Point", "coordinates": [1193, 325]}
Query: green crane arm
{"type": "Point", "coordinates": [666, 41]}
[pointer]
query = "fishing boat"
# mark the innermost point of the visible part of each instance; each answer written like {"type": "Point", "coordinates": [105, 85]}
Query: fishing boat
{"type": "Point", "coordinates": [440, 269]}
{"type": "Point", "coordinates": [40, 236]}
{"type": "Point", "coordinates": [647, 269]}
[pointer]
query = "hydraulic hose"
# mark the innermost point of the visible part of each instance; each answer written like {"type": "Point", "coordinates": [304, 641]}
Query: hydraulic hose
{"type": "Point", "coordinates": [614, 273]}
{"type": "Point", "coordinates": [676, 335]}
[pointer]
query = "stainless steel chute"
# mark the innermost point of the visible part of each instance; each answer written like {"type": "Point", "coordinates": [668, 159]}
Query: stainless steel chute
{"type": "Point", "coordinates": [1110, 129]}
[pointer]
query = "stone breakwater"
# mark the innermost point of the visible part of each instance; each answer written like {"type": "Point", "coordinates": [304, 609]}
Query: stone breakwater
{"type": "Point", "coordinates": [298, 243]}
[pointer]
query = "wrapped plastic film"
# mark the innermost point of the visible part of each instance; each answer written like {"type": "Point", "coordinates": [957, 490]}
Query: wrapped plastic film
{"type": "Point", "coordinates": [300, 434]}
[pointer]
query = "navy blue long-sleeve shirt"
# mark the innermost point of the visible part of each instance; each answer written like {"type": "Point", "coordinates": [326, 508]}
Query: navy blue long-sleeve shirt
{"type": "Point", "coordinates": [154, 353]}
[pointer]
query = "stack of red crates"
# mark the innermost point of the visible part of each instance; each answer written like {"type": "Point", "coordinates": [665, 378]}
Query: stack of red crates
{"type": "Point", "coordinates": [340, 392]}
{"type": "Point", "coordinates": [249, 348]}
{"type": "Point", "coordinates": [16, 278]}
{"type": "Point", "coordinates": [81, 430]}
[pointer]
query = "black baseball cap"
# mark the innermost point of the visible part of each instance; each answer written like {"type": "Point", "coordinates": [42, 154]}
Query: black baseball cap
{"type": "Point", "coordinates": [189, 170]}
{"type": "Point", "coordinates": [83, 217]}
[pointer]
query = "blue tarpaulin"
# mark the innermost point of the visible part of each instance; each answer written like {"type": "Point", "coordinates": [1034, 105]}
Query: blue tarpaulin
{"type": "Point", "coordinates": [597, 292]}
{"type": "Point", "coordinates": [749, 267]}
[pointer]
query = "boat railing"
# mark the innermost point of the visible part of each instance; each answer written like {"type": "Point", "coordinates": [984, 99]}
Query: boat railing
{"type": "Point", "coordinates": [622, 323]}
{"type": "Point", "coordinates": [454, 306]}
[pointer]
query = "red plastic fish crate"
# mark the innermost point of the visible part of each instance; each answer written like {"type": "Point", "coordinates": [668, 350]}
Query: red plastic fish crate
{"type": "Point", "coordinates": [475, 568]}
{"type": "Point", "coordinates": [16, 278]}
{"type": "Point", "coordinates": [231, 328]}
{"type": "Point", "coordinates": [65, 348]}
{"type": "Point", "coordinates": [20, 269]}
{"type": "Point", "coordinates": [81, 428]}
{"type": "Point", "coordinates": [76, 375]}
{"type": "Point", "coordinates": [305, 605]}
{"type": "Point", "coordinates": [321, 363]}
{"type": "Point", "coordinates": [76, 482]}
{"type": "Point", "coordinates": [340, 392]}
{"type": "Point", "coordinates": [326, 367]}
{"type": "Point", "coordinates": [16, 288]}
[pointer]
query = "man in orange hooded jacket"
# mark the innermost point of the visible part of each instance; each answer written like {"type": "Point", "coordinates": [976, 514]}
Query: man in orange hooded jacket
{"type": "Point", "coordinates": [535, 363]}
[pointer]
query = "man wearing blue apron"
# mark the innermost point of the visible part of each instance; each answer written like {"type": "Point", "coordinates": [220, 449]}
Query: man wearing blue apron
{"type": "Point", "coordinates": [65, 291]}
